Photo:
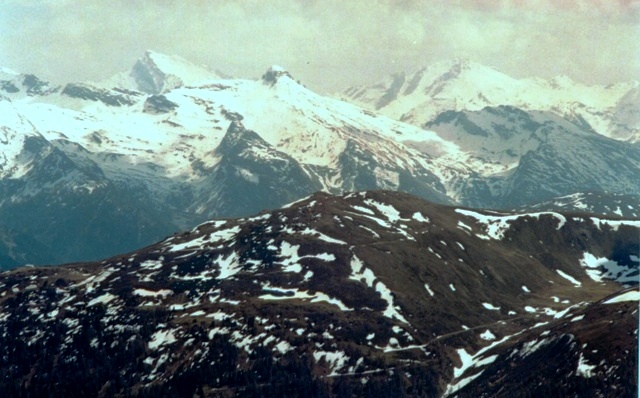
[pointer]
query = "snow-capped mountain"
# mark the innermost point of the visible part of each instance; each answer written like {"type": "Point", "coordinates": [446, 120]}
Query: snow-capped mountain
{"type": "Point", "coordinates": [157, 73]}
{"type": "Point", "coordinates": [16, 85]}
{"type": "Point", "coordinates": [219, 149]}
{"type": "Point", "coordinates": [17, 135]}
{"type": "Point", "coordinates": [459, 85]}
{"type": "Point", "coordinates": [366, 294]}
{"type": "Point", "coordinates": [170, 138]}
{"type": "Point", "coordinates": [57, 204]}
{"type": "Point", "coordinates": [176, 129]}
{"type": "Point", "coordinates": [522, 158]}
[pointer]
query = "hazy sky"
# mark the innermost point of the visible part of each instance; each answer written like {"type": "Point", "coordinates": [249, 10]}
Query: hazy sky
{"type": "Point", "coordinates": [326, 44]}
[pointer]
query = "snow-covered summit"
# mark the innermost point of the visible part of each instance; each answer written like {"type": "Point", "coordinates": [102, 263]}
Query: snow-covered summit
{"type": "Point", "coordinates": [21, 85]}
{"type": "Point", "coordinates": [274, 74]}
{"type": "Point", "coordinates": [178, 145]}
{"type": "Point", "coordinates": [156, 73]}
{"type": "Point", "coordinates": [459, 85]}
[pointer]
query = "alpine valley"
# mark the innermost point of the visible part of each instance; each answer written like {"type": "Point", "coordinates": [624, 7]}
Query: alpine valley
{"type": "Point", "coordinates": [451, 232]}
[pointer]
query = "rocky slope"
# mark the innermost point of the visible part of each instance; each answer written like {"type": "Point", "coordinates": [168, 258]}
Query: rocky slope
{"type": "Point", "coordinates": [367, 294]}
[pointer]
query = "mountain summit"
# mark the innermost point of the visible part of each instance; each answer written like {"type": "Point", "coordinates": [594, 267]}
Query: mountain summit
{"type": "Point", "coordinates": [461, 85]}
{"type": "Point", "coordinates": [185, 153]}
{"type": "Point", "coordinates": [156, 73]}
{"type": "Point", "coordinates": [274, 73]}
{"type": "Point", "coordinates": [170, 138]}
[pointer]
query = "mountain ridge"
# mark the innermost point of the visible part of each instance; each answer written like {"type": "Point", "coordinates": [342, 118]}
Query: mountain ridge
{"type": "Point", "coordinates": [367, 294]}
{"type": "Point", "coordinates": [162, 149]}
{"type": "Point", "coordinates": [465, 85]}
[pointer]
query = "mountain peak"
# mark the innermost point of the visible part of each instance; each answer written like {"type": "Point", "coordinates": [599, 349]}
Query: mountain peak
{"type": "Point", "coordinates": [460, 66]}
{"type": "Point", "coordinates": [165, 62]}
{"type": "Point", "coordinates": [274, 73]}
{"type": "Point", "coordinates": [238, 136]}
{"type": "Point", "coordinates": [561, 81]}
{"type": "Point", "coordinates": [13, 84]}
{"type": "Point", "coordinates": [157, 73]}
{"type": "Point", "coordinates": [463, 63]}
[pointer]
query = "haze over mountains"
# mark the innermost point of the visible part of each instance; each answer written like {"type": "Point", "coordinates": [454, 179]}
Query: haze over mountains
{"type": "Point", "coordinates": [465, 85]}
{"type": "Point", "coordinates": [452, 232]}
{"type": "Point", "coordinates": [170, 144]}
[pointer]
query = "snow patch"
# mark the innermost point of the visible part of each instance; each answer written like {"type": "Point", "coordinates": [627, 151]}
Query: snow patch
{"type": "Point", "coordinates": [426, 286]}
{"type": "Point", "coordinates": [419, 217]}
{"type": "Point", "coordinates": [468, 361]}
{"type": "Point", "coordinates": [584, 368]}
{"type": "Point", "coordinates": [216, 237]}
{"type": "Point", "coordinates": [615, 224]}
{"type": "Point", "coordinates": [569, 278]}
{"type": "Point", "coordinates": [162, 337]}
{"type": "Point", "coordinates": [490, 307]}
{"type": "Point", "coordinates": [288, 294]}
{"type": "Point", "coordinates": [496, 226]}
{"type": "Point", "coordinates": [487, 335]}
{"type": "Point", "coordinates": [598, 268]}
{"type": "Point", "coordinates": [228, 266]}
{"type": "Point", "coordinates": [105, 298]}
{"type": "Point", "coordinates": [150, 293]}
{"type": "Point", "coordinates": [387, 210]}
{"type": "Point", "coordinates": [361, 273]}
{"type": "Point", "coordinates": [336, 360]}
{"type": "Point", "coordinates": [633, 295]}
{"type": "Point", "coordinates": [530, 347]}
{"type": "Point", "coordinates": [391, 311]}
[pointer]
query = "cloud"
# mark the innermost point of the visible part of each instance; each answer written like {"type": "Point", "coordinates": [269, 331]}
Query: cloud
{"type": "Point", "coordinates": [327, 44]}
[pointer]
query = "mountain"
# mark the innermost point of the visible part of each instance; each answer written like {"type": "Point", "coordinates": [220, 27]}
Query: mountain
{"type": "Point", "coordinates": [169, 145]}
{"type": "Point", "coordinates": [15, 84]}
{"type": "Point", "coordinates": [619, 205]}
{"type": "Point", "coordinates": [365, 294]}
{"type": "Point", "coordinates": [561, 360]}
{"type": "Point", "coordinates": [524, 158]}
{"type": "Point", "coordinates": [460, 85]}
{"type": "Point", "coordinates": [156, 73]}
{"type": "Point", "coordinates": [223, 148]}
{"type": "Point", "coordinates": [55, 204]}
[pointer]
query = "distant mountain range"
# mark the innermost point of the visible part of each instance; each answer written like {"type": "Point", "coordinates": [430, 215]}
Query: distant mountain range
{"type": "Point", "coordinates": [88, 170]}
{"type": "Point", "coordinates": [523, 158]}
{"type": "Point", "coordinates": [463, 85]}
{"type": "Point", "coordinates": [365, 294]}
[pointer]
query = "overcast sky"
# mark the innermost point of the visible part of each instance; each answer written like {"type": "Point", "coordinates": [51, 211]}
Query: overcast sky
{"type": "Point", "coordinates": [326, 44]}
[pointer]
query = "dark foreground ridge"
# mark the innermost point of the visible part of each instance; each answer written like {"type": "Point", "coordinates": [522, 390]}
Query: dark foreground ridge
{"type": "Point", "coordinates": [366, 294]}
